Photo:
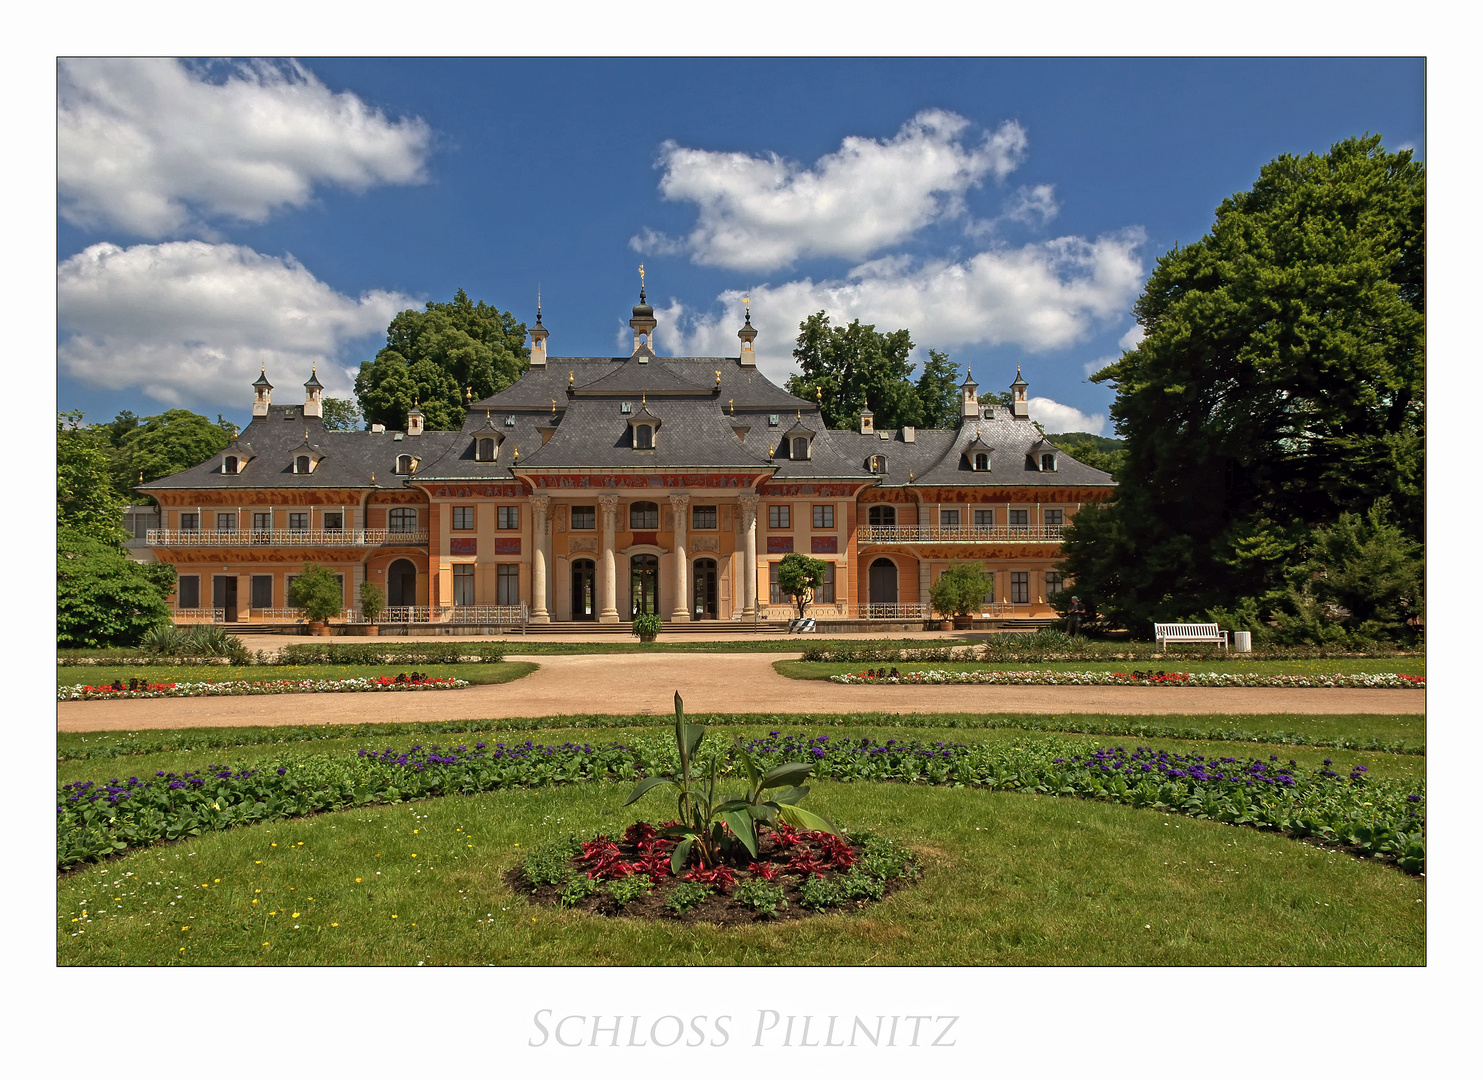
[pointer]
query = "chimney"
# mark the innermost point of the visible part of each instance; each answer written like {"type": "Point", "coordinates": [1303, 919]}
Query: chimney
{"type": "Point", "coordinates": [538, 337]}
{"type": "Point", "coordinates": [867, 422]}
{"type": "Point", "coordinates": [313, 396]}
{"type": "Point", "coordinates": [909, 434]}
{"type": "Point", "coordinates": [262, 395]}
{"type": "Point", "coordinates": [1020, 406]}
{"type": "Point", "coordinates": [748, 336]}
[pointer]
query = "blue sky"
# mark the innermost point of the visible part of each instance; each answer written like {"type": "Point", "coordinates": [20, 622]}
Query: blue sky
{"type": "Point", "coordinates": [218, 217]}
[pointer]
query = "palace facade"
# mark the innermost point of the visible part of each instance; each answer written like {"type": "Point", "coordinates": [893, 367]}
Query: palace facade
{"type": "Point", "coordinates": [597, 488]}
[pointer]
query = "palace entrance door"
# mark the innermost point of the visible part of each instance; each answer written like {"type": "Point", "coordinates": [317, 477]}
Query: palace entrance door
{"type": "Point", "coordinates": [224, 596]}
{"type": "Point", "coordinates": [705, 589]}
{"type": "Point", "coordinates": [882, 585]}
{"type": "Point", "coordinates": [584, 577]}
{"type": "Point", "coordinates": [401, 584]}
{"type": "Point", "coordinates": [644, 579]}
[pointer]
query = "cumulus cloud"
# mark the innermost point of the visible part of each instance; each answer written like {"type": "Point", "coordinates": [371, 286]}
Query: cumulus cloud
{"type": "Point", "coordinates": [1131, 339]}
{"type": "Point", "coordinates": [1033, 205]}
{"type": "Point", "coordinates": [155, 145]}
{"type": "Point", "coordinates": [1059, 419]}
{"type": "Point", "coordinates": [1040, 297]}
{"type": "Point", "coordinates": [763, 213]}
{"type": "Point", "coordinates": [191, 323]}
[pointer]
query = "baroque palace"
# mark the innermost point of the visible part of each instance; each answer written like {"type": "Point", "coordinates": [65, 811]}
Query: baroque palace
{"type": "Point", "coordinates": [598, 488]}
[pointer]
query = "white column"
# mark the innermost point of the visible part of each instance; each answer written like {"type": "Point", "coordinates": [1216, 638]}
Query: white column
{"type": "Point", "coordinates": [680, 612]}
{"type": "Point", "coordinates": [748, 506]}
{"type": "Point", "coordinates": [539, 506]}
{"type": "Point", "coordinates": [607, 572]}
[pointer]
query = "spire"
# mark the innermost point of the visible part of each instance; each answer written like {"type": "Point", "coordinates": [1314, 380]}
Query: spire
{"type": "Point", "coordinates": [748, 337]}
{"type": "Point", "coordinates": [1020, 403]}
{"type": "Point", "coordinates": [643, 324]}
{"type": "Point", "coordinates": [313, 393]}
{"type": "Point", "coordinates": [538, 336]}
{"type": "Point", "coordinates": [262, 394]}
{"type": "Point", "coordinates": [969, 391]}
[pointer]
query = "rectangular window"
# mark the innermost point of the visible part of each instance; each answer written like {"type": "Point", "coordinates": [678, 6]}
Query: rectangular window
{"type": "Point", "coordinates": [1019, 586]}
{"type": "Point", "coordinates": [780, 517]}
{"type": "Point", "coordinates": [703, 517]}
{"type": "Point", "coordinates": [983, 519]}
{"type": "Point", "coordinates": [190, 522]}
{"type": "Point", "coordinates": [298, 522]}
{"type": "Point", "coordinates": [584, 518]}
{"type": "Point", "coordinates": [463, 517]}
{"type": "Point", "coordinates": [1019, 520]}
{"type": "Point", "coordinates": [262, 523]}
{"type": "Point", "coordinates": [1054, 583]}
{"type": "Point", "coordinates": [463, 584]}
{"type": "Point", "coordinates": [824, 516]}
{"type": "Point", "coordinates": [262, 590]}
{"type": "Point", "coordinates": [774, 590]}
{"type": "Point", "coordinates": [948, 519]}
{"type": "Point", "coordinates": [226, 522]}
{"type": "Point", "coordinates": [509, 517]}
{"type": "Point", "coordinates": [334, 522]}
{"type": "Point", "coordinates": [402, 519]}
{"type": "Point", "coordinates": [1055, 517]}
{"type": "Point", "coordinates": [826, 587]}
{"type": "Point", "coordinates": [188, 591]}
{"type": "Point", "coordinates": [508, 585]}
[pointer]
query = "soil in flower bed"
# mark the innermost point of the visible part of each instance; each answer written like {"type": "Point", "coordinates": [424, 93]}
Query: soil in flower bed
{"type": "Point", "coordinates": [797, 873]}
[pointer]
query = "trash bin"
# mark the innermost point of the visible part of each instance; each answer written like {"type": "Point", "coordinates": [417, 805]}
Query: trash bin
{"type": "Point", "coordinates": [1241, 641]}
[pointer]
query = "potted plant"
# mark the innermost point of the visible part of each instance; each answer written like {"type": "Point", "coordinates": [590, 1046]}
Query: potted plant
{"type": "Point", "coordinates": [960, 593]}
{"type": "Point", "coordinates": [372, 604]}
{"type": "Point", "coordinates": [318, 593]}
{"type": "Point", "coordinates": [647, 626]}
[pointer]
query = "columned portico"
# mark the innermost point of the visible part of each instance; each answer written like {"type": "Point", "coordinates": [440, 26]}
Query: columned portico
{"type": "Point", "coordinates": [607, 567]}
{"type": "Point", "coordinates": [681, 610]}
{"type": "Point", "coordinates": [748, 505]}
{"type": "Point", "coordinates": [540, 506]}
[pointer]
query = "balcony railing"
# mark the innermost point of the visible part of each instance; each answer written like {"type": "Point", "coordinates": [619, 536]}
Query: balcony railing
{"type": "Point", "coordinates": [514, 615]}
{"type": "Point", "coordinates": [186, 538]}
{"type": "Point", "coordinates": [876, 612]}
{"type": "Point", "coordinates": [958, 534]}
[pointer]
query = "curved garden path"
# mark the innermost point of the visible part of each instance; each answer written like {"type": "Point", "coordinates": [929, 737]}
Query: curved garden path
{"type": "Point", "coordinates": [629, 683]}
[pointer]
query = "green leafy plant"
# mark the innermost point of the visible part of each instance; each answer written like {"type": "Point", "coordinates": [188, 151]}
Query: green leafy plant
{"type": "Point", "coordinates": [819, 893]}
{"type": "Point", "coordinates": [550, 863]}
{"type": "Point", "coordinates": [687, 895]}
{"type": "Point", "coordinates": [647, 626]}
{"type": "Point", "coordinates": [765, 897]}
{"type": "Point", "coordinates": [575, 888]}
{"type": "Point", "coordinates": [799, 578]}
{"type": "Point", "coordinates": [372, 600]}
{"type": "Point", "coordinates": [710, 825]}
{"type": "Point", "coordinates": [318, 592]}
{"type": "Point", "coordinates": [961, 590]}
{"type": "Point", "coordinates": [626, 890]}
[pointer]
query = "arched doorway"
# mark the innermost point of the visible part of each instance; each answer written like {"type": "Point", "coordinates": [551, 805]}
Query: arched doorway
{"type": "Point", "coordinates": [401, 584]}
{"type": "Point", "coordinates": [882, 583]}
{"type": "Point", "coordinates": [644, 579]}
{"type": "Point", "coordinates": [584, 577]}
{"type": "Point", "coordinates": [705, 589]}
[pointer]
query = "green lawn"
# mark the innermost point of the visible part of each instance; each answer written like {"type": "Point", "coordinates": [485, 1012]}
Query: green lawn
{"type": "Point", "coordinates": [503, 671]}
{"type": "Point", "coordinates": [1009, 879]}
{"type": "Point", "coordinates": [1416, 665]}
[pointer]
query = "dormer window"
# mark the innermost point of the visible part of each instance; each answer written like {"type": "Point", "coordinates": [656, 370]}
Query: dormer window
{"type": "Point", "coordinates": [800, 449]}
{"type": "Point", "coordinates": [1047, 462]}
{"type": "Point", "coordinates": [876, 463]}
{"type": "Point", "coordinates": [231, 466]}
{"type": "Point", "coordinates": [643, 436]}
{"type": "Point", "coordinates": [303, 464]}
{"type": "Point", "coordinates": [980, 462]}
{"type": "Point", "coordinates": [486, 450]}
{"type": "Point", "coordinates": [405, 464]}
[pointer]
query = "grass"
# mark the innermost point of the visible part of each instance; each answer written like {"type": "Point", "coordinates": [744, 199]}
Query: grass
{"type": "Point", "coordinates": [1009, 879]}
{"type": "Point", "coordinates": [799, 669]}
{"type": "Point", "coordinates": [1398, 734]}
{"type": "Point", "coordinates": [504, 671]}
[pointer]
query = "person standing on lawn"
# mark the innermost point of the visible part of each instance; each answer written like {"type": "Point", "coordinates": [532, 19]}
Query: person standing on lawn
{"type": "Point", "coordinates": [1075, 612]}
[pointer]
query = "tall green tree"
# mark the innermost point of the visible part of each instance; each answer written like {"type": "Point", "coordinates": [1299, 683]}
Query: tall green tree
{"type": "Point", "coordinates": [104, 598]}
{"type": "Point", "coordinates": [433, 358]}
{"type": "Point", "coordinates": [340, 415]}
{"type": "Point", "coordinates": [850, 368]}
{"type": "Point", "coordinates": [938, 389]}
{"type": "Point", "coordinates": [87, 502]}
{"type": "Point", "coordinates": [165, 444]}
{"type": "Point", "coordinates": [1279, 384]}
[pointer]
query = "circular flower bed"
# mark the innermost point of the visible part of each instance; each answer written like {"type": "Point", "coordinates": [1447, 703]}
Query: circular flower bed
{"type": "Point", "coordinates": [797, 873]}
{"type": "Point", "coordinates": [139, 688]}
{"type": "Point", "coordinates": [1383, 681]}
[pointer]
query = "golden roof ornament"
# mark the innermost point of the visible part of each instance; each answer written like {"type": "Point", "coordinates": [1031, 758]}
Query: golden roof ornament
{"type": "Point", "coordinates": [718, 378]}
{"type": "Point", "coordinates": [571, 378]}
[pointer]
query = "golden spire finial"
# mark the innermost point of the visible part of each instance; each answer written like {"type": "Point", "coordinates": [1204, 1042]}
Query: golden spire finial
{"type": "Point", "coordinates": [641, 277]}
{"type": "Point", "coordinates": [747, 300]}
{"type": "Point", "coordinates": [486, 416]}
{"type": "Point", "coordinates": [517, 453]}
{"type": "Point", "coordinates": [141, 476]}
{"type": "Point", "coordinates": [732, 403]}
{"type": "Point", "coordinates": [468, 395]}
{"type": "Point", "coordinates": [800, 414]}
{"type": "Point", "coordinates": [553, 406]}
{"type": "Point", "coordinates": [718, 378]}
{"type": "Point", "coordinates": [644, 398]}
{"type": "Point", "coordinates": [571, 378]}
{"type": "Point", "coordinates": [770, 449]}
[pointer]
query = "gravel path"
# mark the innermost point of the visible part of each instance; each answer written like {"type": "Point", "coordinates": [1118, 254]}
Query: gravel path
{"type": "Point", "coordinates": [629, 683]}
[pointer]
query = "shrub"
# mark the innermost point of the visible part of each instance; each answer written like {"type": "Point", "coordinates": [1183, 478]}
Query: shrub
{"type": "Point", "coordinates": [626, 890]}
{"type": "Point", "coordinates": [431, 652]}
{"type": "Point", "coordinates": [687, 895]}
{"type": "Point", "coordinates": [760, 895]}
{"type": "Point", "coordinates": [372, 600]}
{"type": "Point", "coordinates": [819, 893]}
{"type": "Point", "coordinates": [550, 863]}
{"type": "Point", "coordinates": [104, 598]}
{"type": "Point", "coordinates": [318, 592]}
{"type": "Point", "coordinates": [961, 590]}
{"type": "Point", "coordinates": [647, 626]}
{"type": "Point", "coordinates": [575, 888]}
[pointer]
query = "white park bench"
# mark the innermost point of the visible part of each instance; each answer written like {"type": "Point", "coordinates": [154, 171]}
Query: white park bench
{"type": "Point", "coordinates": [1190, 631]}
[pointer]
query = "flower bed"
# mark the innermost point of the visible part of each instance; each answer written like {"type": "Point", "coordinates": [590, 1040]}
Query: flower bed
{"type": "Point", "coordinates": [797, 872]}
{"type": "Point", "coordinates": [138, 688]}
{"type": "Point", "coordinates": [1383, 681]}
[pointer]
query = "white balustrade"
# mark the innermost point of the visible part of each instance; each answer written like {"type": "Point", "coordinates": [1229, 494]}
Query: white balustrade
{"type": "Point", "coordinates": [957, 534]}
{"type": "Point", "coordinates": [183, 538]}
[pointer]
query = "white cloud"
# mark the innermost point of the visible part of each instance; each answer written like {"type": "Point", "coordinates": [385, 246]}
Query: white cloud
{"type": "Point", "coordinates": [152, 145]}
{"type": "Point", "coordinates": [1040, 297]}
{"type": "Point", "coordinates": [1059, 419]}
{"type": "Point", "coordinates": [1033, 205]}
{"type": "Point", "coordinates": [1131, 339]}
{"type": "Point", "coordinates": [763, 213]}
{"type": "Point", "coordinates": [192, 323]}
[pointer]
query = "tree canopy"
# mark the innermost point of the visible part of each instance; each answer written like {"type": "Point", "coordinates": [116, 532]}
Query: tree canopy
{"type": "Point", "coordinates": [104, 598]}
{"type": "Point", "coordinates": [434, 358]}
{"type": "Point", "coordinates": [1278, 386]}
{"type": "Point", "coordinates": [87, 502]}
{"type": "Point", "coordinates": [799, 578]}
{"type": "Point", "coordinates": [340, 415]}
{"type": "Point", "coordinates": [849, 368]}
